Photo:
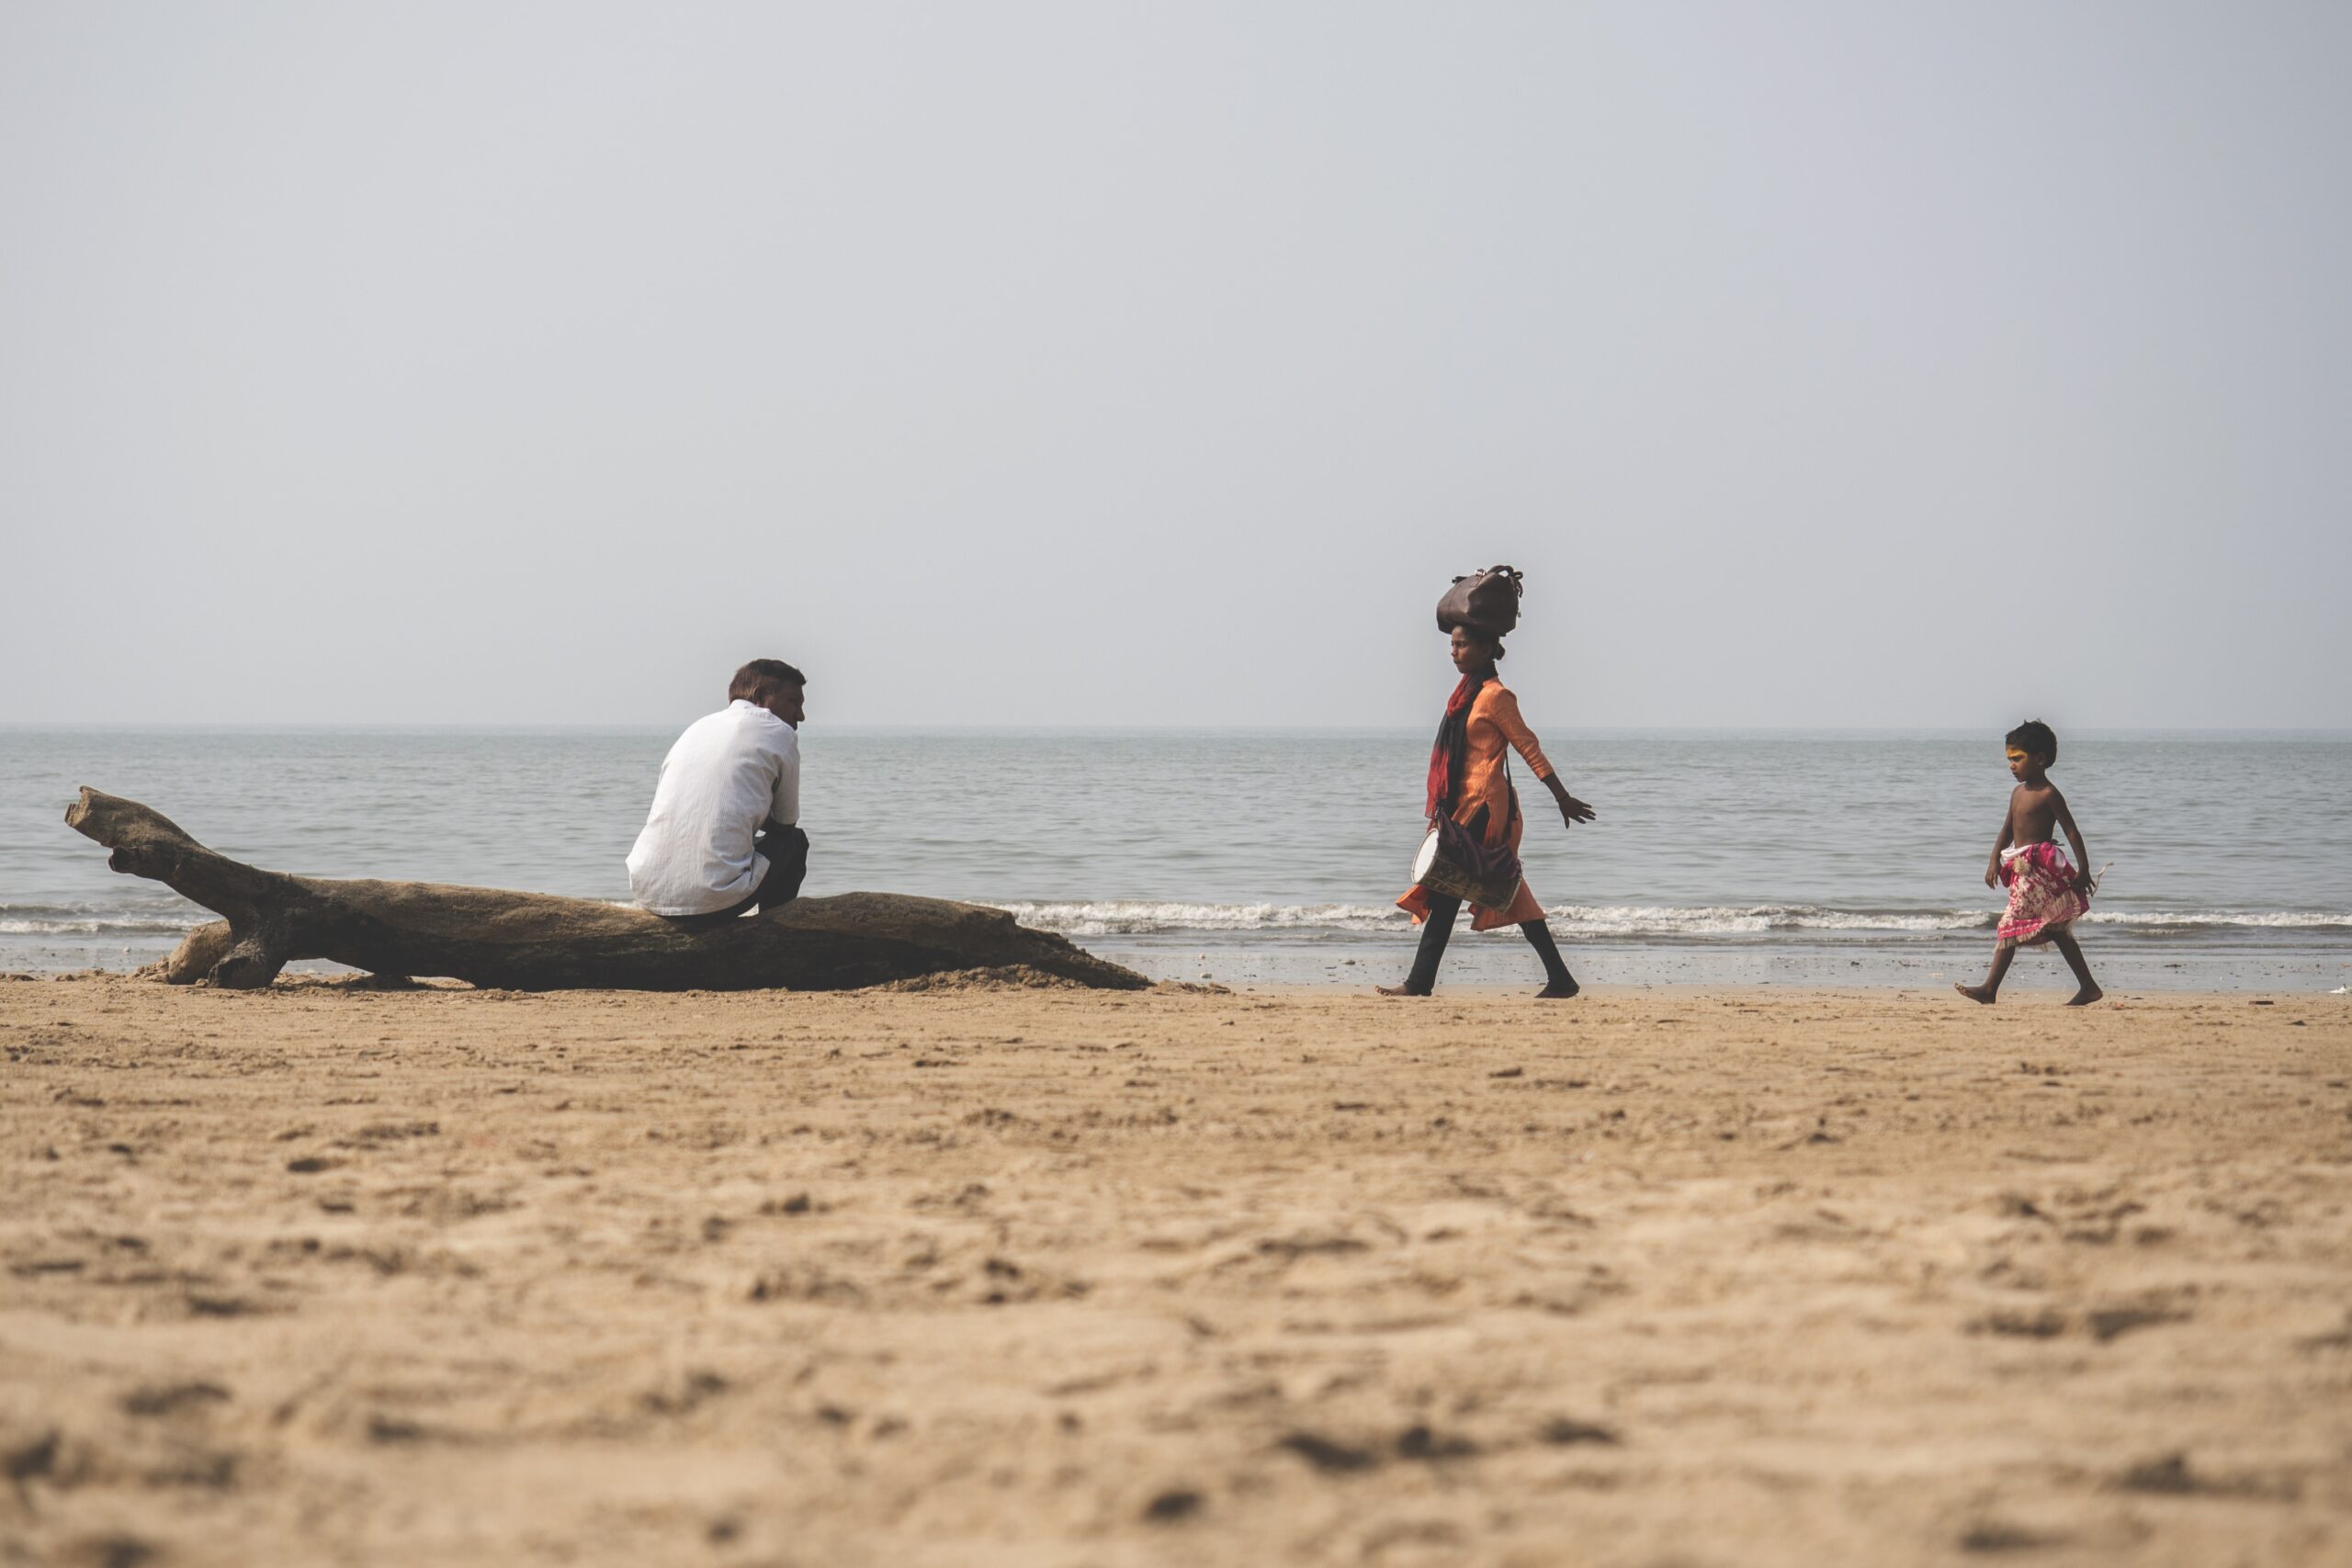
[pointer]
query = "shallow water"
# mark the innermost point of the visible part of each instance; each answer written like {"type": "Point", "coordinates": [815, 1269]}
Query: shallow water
{"type": "Point", "coordinates": [1256, 856]}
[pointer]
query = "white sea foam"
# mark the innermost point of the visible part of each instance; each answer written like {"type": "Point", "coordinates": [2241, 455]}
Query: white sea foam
{"type": "Point", "coordinates": [1126, 918]}
{"type": "Point", "coordinates": [1122, 918]}
{"type": "Point", "coordinates": [2210, 920]}
{"type": "Point", "coordinates": [94, 925]}
{"type": "Point", "coordinates": [1653, 921]}
{"type": "Point", "coordinates": [1640, 919]}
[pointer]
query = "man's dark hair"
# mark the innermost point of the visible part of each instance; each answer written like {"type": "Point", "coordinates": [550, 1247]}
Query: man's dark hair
{"type": "Point", "coordinates": [2034, 739]}
{"type": "Point", "coordinates": [763, 680]}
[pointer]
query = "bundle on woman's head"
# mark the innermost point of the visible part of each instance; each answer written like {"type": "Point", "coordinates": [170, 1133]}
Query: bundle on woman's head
{"type": "Point", "coordinates": [1484, 602]}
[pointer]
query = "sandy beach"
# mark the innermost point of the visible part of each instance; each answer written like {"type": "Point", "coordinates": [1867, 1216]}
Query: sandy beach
{"type": "Point", "coordinates": [327, 1274]}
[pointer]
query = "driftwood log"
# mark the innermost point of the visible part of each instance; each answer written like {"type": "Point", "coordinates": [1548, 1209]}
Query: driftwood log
{"type": "Point", "coordinates": [532, 942]}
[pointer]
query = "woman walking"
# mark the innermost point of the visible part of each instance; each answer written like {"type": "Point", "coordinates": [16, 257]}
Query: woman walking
{"type": "Point", "coordinates": [1470, 786]}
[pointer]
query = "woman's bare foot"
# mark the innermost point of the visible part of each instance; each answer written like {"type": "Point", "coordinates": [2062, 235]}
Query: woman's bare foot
{"type": "Point", "coordinates": [2084, 997]}
{"type": "Point", "coordinates": [1398, 991]}
{"type": "Point", "coordinates": [1558, 991]}
{"type": "Point", "coordinates": [1977, 993]}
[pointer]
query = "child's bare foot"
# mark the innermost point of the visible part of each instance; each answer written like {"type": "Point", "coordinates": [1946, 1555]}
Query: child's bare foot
{"type": "Point", "coordinates": [1398, 991]}
{"type": "Point", "coordinates": [1558, 991]}
{"type": "Point", "coordinates": [2084, 997]}
{"type": "Point", "coordinates": [1977, 993]}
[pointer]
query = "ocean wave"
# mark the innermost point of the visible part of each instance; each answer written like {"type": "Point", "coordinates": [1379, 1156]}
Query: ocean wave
{"type": "Point", "coordinates": [1642, 919]}
{"type": "Point", "coordinates": [2209, 919]}
{"type": "Point", "coordinates": [1122, 918]}
{"type": "Point", "coordinates": [1139, 918]}
{"type": "Point", "coordinates": [1100, 918]}
{"type": "Point", "coordinates": [1659, 922]}
{"type": "Point", "coordinates": [99, 919]}
{"type": "Point", "coordinates": [65, 923]}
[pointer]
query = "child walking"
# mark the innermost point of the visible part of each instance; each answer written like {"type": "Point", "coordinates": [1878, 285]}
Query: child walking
{"type": "Point", "coordinates": [2046, 893]}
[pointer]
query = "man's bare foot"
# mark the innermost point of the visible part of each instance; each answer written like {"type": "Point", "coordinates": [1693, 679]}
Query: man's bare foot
{"type": "Point", "coordinates": [1558, 993]}
{"type": "Point", "coordinates": [1398, 991]}
{"type": "Point", "coordinates": [1977, 993]}
{"type": "Point", "coordinates": [2084, 997]}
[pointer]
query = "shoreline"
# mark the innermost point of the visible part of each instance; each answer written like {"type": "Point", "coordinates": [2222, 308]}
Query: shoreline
{"type": "Point", "coordinates": [328, 980]}
{"type": "Point", "coordinates": [1501, 961]}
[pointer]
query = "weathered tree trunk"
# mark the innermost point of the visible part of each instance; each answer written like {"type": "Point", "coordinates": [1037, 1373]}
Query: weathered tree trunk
{"type": "Point", "coordinates": [530, 941]}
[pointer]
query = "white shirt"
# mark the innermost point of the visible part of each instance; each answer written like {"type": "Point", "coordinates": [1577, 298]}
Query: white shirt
{"type": "Point", "coordinates": [726, 775]}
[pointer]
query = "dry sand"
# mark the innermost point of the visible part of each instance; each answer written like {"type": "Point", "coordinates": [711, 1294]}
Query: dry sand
{"type": "Point", "coordinates": [326, 1275]}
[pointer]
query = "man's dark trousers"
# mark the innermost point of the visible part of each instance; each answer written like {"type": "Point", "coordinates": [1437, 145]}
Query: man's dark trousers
{"type": "Point", "coordinates": [786, 850]}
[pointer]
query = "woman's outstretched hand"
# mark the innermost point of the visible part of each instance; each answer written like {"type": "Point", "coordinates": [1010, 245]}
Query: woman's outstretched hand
{"type": "Point", "coordinates": [1572, 810]}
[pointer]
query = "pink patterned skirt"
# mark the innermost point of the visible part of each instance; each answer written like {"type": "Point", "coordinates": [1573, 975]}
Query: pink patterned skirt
{"type": "Point", "coordinates": [2043, 900]}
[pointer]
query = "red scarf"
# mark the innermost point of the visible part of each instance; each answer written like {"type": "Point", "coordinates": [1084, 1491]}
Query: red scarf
{"type": "Point", "coordinates": [1452, 744]}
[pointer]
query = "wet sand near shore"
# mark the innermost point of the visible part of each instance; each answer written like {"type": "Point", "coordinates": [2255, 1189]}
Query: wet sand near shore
{"type": "Point", "coordinates": [327, 1274]}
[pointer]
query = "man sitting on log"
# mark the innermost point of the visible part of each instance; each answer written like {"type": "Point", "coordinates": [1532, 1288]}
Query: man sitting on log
{"type": "Point", "coordinates": [723, 834]}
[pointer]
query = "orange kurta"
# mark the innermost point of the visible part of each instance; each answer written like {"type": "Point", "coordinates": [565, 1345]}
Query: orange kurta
{"type": "Point", "coordinates": [1496, 729]}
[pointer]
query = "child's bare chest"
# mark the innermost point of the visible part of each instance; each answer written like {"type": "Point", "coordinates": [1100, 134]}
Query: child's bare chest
{"type": "Point", "coordinates": [2034, 814]}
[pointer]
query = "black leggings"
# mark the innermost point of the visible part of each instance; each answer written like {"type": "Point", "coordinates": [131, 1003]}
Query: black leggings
{"type": "Point", "coordinates": [1439, 928]}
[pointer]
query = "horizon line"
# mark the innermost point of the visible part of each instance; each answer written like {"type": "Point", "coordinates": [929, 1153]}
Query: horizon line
{"type": "Point", "coordinates": [873, 728]}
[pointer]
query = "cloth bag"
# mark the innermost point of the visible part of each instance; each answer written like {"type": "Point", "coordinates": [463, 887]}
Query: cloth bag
{"type": "Point", "coordinates": [1455, 859]}
{"type": "Point", "coordinates": [1485, 601]}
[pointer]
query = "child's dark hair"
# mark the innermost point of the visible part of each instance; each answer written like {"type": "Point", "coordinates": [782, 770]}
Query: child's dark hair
{"type": "Point", "coordinates": [763, 680]}
{"type": "Point", "coordinates": [2034, 739]}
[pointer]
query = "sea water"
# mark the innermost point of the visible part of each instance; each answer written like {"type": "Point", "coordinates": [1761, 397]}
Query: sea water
{"type": "Point", "coordinates": [1256, 857]}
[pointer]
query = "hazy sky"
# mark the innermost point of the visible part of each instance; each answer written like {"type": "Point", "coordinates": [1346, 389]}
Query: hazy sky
{"type": "Point", "coordinates": [1082, 363]}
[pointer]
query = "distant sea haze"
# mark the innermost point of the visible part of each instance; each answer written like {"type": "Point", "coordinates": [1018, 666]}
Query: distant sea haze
{"type": "Point", "coordinates": [1252, 857]}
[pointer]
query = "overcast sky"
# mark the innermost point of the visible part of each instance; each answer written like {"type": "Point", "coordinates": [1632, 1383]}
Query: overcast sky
{"type": "Point", "coordinates": [1097, 364]}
